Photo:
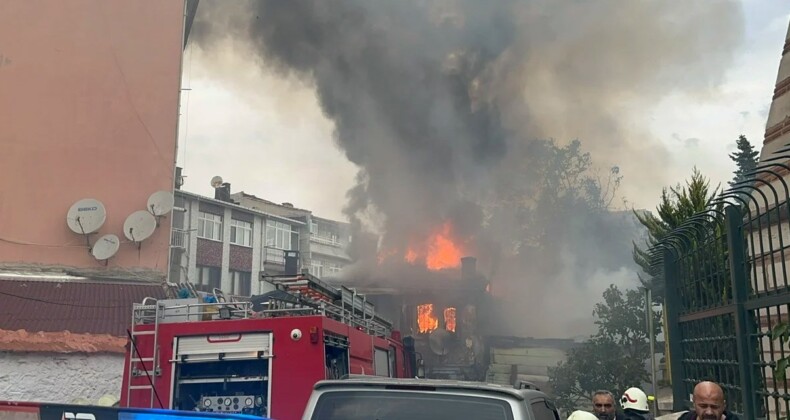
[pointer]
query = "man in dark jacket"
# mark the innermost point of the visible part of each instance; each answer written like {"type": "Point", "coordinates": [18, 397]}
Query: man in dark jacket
{"type": "Point", "coordinates": [604, 407]}
{"type": "Point", "coordinates": [709, 404]}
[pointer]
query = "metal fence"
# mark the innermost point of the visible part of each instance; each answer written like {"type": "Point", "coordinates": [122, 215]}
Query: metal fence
{"type": "Point", "coordinates": [726, 288]}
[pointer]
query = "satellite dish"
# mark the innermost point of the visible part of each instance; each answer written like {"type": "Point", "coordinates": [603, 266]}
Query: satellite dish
{"type": "Point", "coordinates": [139, 226]}
{"type": "Point", "coordinates": [160, 203]}
{"type": "Point", "coordinates": [106, 247]}
{"type": "Point", "coordinates": [216, 182]}
{"type": "Point", "coordinates": [86, 216]}
{"type": "Point", "coordinates": [439, 341]}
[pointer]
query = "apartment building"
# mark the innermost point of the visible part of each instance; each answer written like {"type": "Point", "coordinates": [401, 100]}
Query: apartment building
{"type": "Point", "coordinates": [230, 240]}
{"type": "Point", "coordinates": [217, 243]}
{"type": "Point", "coordinates": [323, 244]}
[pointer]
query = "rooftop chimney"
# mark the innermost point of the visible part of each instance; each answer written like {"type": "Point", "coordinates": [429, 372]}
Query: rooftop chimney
{"type": "Point", "coordinates": [179, 180]}
{"type": "Point", "coordinates": [222, 192]}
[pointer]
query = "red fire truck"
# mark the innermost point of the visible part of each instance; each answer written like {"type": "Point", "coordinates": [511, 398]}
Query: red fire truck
{"type": "Point", "coordinates": [202, 352]}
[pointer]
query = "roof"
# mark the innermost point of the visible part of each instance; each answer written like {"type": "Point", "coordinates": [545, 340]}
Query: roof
{"type": "Point", "coordinates": [428, 385]}
{"type": "Point", "coordinates": [77, 306]}
{"type": "Point", "coordinates": [60, 342]}
{"type": "Point", "coordinates": [237, 207]}
{"type": "Point", "coordinates": [265, 201]}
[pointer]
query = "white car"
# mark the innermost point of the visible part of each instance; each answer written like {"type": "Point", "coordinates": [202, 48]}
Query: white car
{"type": "Point", "coordinates": [424, 399]}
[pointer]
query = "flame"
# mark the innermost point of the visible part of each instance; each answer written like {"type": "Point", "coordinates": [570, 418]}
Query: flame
{"type": "Point", "coordinates": [411, 256]}
{"type": "Point", "coordinates": [440, 250]}
{"type": "Point", "coordinates": [426, 320]}
{"type": "Point", "coordinates": [449, 319]}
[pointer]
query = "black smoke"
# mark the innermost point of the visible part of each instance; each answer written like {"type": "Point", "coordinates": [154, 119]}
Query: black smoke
{"type": "Point", "coordinates": [437, 102]}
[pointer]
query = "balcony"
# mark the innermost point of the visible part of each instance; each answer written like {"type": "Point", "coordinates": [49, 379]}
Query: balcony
{"type": "Point", "coordinates": [179, 238]}
{"type": "Point", "coordinates": [273, 256]}
{"type": "Point", "coordinates": [325, 241]}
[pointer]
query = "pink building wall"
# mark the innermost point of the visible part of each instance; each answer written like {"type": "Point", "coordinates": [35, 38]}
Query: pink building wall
{"type": "Point", "coordinates": [89, 93]}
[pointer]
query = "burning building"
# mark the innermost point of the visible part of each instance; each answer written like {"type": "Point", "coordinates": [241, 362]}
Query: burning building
{"type": "Point", "coordinates": [446, 314]}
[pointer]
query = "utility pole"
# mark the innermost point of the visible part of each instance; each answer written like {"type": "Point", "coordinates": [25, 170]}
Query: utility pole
{"type": "Point", "coordinates": [652, 337]}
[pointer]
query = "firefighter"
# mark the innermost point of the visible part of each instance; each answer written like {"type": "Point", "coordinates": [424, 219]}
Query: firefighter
{"type": "Point", "coordinates": [709, 404]}
{"type": "Point", "coordinates": [582, 415]}
{"type": "Point", "coordinates": [634, 404]}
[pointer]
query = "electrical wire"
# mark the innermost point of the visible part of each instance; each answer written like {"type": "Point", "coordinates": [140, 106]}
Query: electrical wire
{"type": "Point", "coordinates": [18, 242]}
{"type": "Point", "coordinates": [49, 302]}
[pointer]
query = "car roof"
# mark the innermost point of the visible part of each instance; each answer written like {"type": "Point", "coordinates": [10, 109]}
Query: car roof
{"type": "Point", "coordinates": [428, 385]}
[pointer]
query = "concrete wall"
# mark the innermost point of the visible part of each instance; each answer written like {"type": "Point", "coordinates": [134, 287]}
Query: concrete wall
{"type": "Point", "coordinates": [59, 378]}
{"type": "Point", "coordinates": [89, 109]}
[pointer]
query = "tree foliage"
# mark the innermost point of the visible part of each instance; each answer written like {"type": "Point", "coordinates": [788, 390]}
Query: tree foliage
{"type": "Point", "coordinates": [612, 359]}
{"type": "Point", "coordinates": [551, 212]}
{"type": "Point", "coordinates": [746, 159]}
{"type": "Point", "coordinates": [677, 205]}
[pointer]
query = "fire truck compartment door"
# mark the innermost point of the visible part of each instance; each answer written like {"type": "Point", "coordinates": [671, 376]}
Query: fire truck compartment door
{"type": "Point", "coordinates": [238, 346]}
{"type": "Point", "coordinates": [381, 358]}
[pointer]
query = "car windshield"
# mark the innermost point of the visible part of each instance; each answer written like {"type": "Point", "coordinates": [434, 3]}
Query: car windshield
{"type": "Point", "coordinates": [408, 405]}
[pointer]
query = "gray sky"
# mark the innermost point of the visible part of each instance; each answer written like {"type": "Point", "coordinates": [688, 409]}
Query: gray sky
{"type": "Point", "coordinates": [267, 136]}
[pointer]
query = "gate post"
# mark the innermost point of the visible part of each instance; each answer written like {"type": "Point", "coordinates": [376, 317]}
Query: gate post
{"type": "Point", "coordinates": [740, 291]}
{"type": "Point", "coordinates": [672, 307]}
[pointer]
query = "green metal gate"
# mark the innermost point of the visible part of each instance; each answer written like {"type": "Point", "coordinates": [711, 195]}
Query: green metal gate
{"type": "Point", "coordinates": [726, 289]}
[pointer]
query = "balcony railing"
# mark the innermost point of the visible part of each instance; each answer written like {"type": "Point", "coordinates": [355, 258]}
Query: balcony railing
{"type": "Point", "coordinates": [324, 240]}
{"type": "Point", "coordinates": [273, 256]}
{"type": "Point", "coordinates": [179, 238]}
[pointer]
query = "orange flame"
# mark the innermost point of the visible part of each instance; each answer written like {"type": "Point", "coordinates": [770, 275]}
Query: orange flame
{"type": "Point", "coordinates": [426, 320]}
{"type": "Point", "coordinates": [442, 252]}
{"type": "Point", "coordinates": [449, 319]}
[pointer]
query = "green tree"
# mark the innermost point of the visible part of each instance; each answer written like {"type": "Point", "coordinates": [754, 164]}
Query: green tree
{"type": "Point", "coordinates": [677, 205]}
{"type": "Point", "coordinates": [746, 159]}
{"type": "Point", "coordinates": [613, 359]}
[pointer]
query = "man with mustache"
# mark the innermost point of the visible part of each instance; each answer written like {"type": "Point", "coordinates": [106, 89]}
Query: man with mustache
{"type": "Point", "coordinates": [709, 404]}
{"type": "Point", "coordinates": [603, 406]}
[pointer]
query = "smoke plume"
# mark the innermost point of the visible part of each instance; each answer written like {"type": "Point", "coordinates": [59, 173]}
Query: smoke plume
{"type": "Point", "coordinates": [438, 103]}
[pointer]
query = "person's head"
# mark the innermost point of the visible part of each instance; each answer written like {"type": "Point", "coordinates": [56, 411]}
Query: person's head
{"type": "Point", "coordinates": [603, 404]}
{"type": "Point", "coordinates": [634, 399]}
{"type": "Point", "coordinates": [709, 401]}
{"type": "Point", "coordinates": [582, 415]}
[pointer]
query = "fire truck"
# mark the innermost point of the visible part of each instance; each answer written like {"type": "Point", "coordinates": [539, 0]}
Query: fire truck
{"type": "Point", "coordinates": [203, 352]}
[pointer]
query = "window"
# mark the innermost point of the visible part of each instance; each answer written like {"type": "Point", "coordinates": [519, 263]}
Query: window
{"type": "Point", "coordinates": [316, 267]}
{"type": "Point", "coordinates": [240, 283]}
{"type": "Point", "coordinates": [209, 226]}
{"type": "Point", "coordinates": [313, 228]}
{"type": "Point", "coordinates": [281, 236]}
{"type": "Point", "coordinates": [240, 233]}
{"type": "Point", "coordinates": [408, 405]}
{"type": "Point", "coordinates": [208, 278]}
{"type": "Point", "coordinates": [543, 411]}
{"type": "Point", "coordinates": [334, 268]}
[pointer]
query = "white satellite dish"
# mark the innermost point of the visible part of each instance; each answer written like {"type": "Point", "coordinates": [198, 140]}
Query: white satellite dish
{"type": "Point", "coordinates": [216, 182]}
{"type": "Point", "coordinates": [106, 247]}
{"type": "Point", "coordinates": [139, 226]}
{"type": "Point", "coordinates": [160, 203]}
{"type": "Point", "coordinates": [86, 216]}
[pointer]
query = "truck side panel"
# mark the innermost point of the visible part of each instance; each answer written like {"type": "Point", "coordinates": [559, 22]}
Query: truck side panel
{"type": "Point", "coordinates": [296, 364]}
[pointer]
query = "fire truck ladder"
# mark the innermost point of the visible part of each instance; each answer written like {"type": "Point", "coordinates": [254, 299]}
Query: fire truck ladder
{"type": "Point", "coordinates": [144, 314]}
{"type": "Point", "coordinates": [314, 296]}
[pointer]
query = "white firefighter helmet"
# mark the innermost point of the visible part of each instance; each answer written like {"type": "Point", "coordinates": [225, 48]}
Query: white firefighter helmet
{"type": "Point", "coordinates": [582, 415]}
{"type": "Point", "coordinates": [634, 399]}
